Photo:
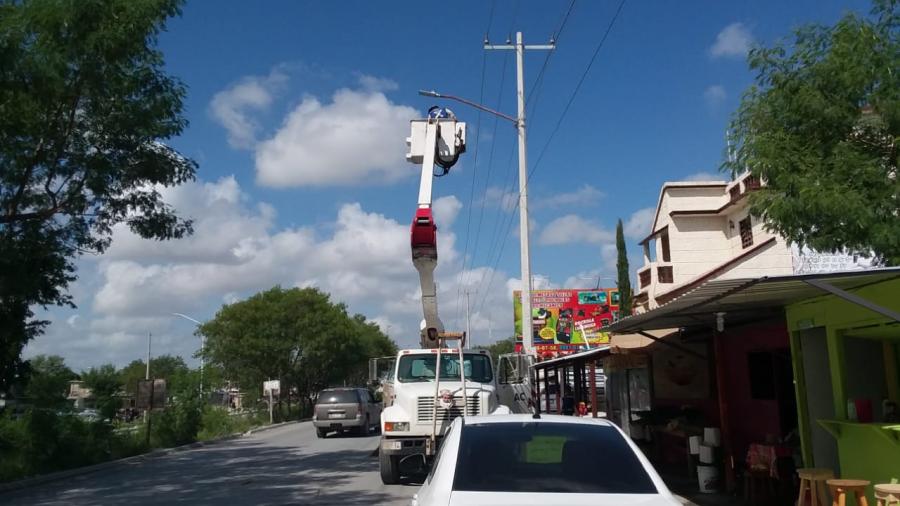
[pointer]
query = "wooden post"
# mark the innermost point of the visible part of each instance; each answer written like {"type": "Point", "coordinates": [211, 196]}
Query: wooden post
{"type": "Point", "coordinates": [593, 381]}
{"type": "Point", "coordinates": [559, 391]}
{"type": "Point", "coordinates": [723, 411]}
{"type": "Point", "coordinates": [150, 413]}
{"type": "Point", "coordinates": [803, 421]}
{"type": "Point", "coordinates": [836, 362]}
{"type": "Point", "coordinates": [547, 388]}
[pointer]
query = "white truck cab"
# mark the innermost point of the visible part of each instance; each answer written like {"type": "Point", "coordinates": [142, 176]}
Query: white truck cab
{"type": "Point", "coordinates": [422, 395]}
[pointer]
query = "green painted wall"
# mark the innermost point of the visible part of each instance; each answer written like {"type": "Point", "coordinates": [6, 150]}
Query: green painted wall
{"type": "Point", "coordinates": [865, 451]}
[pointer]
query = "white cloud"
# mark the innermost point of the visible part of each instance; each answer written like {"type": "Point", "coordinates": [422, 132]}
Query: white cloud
{"type": "Point", "coordinates": [704, 176]}
{"type": "Point", "coordinates": [233, 106]}
{"type": "Point", "coordinates": [356, 139]}
{"type": "Point", "coordinates": [733, 41]}
{"type": "Point", "coordinates": [361, 258]}
{"type": "Point", "coordinates": [373, 83]}
{"type": "Point", "coordinates": [639, 223]}
{"type": "Point", "coordinates": [714, 95]}
{"type": "Point", "coordinates": [573, 229]}
{"type": "Point", "coordinates": [501, 198]}
{"type": "Point", "coordinates": [584, 196]}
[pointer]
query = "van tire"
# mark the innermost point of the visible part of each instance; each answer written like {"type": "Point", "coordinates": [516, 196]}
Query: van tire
{"type": "Point", "coordinates": [321, 432]}
{"type": "Point", "coordinates": [389, 466]}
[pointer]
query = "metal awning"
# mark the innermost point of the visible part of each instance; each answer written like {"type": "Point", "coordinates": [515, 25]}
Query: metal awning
{"type": "Point", "coordinates": [748, 299]}
{"type": "Point", "coordinates": [594, 353]}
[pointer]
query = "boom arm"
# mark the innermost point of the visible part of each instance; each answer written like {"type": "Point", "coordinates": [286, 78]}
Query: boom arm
{"type": "Point", "coordinates": [439, 139]}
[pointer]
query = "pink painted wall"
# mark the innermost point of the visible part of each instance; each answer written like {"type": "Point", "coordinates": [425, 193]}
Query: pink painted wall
{"type": "Point", "coordinates": [750, 420]}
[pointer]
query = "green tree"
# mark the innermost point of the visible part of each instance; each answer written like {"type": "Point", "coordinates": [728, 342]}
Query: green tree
{"type": "Point", "coordinates": [298, 336]}
{"type": "Point", "coordinates": [624, 276]}
{"type": "Point", "coordinates": [48, 381]}
{"type": "Point", "coordinates": [105, 385]}
{"type": "Point", "coordinates": [821, 128]}
{"type": "Point", "coordinates": [179, 378]}
{"type": "Point", "coordinates": [85, 105]}
{"type": "Point", "coordinates": [500, 347]}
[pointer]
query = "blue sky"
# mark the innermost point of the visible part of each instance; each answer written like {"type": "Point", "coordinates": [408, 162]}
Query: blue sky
{"type": "Point", "coordinates": [298, 113]}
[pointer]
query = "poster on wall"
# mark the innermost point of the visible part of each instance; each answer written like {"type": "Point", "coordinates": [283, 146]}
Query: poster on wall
{"type": "Point", "coordinates": [680, 375]}
{"type": "Point", "coordinates": [567, 320]}
{"type": "Point", "coordinates": [809, 261]}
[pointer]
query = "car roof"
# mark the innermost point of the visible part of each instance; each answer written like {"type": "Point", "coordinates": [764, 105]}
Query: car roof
{"type": "Point", "coordinates": [526, 418]}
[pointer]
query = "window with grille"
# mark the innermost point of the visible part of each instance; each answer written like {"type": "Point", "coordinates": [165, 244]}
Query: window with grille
{"type": "Point", "coordinates": [746, 232]}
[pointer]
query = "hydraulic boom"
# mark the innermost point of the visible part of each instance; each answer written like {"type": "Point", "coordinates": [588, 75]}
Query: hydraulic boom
{"type": "Point", "coordinates": [437, 140]}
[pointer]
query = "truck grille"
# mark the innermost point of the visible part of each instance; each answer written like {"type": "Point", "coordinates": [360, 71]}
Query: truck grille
{"type": "Point", "coordinates": [426, 408]}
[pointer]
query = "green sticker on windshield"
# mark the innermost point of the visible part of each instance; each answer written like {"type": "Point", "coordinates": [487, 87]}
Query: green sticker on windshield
{"type": "Point", "coordinates": [544, 450]}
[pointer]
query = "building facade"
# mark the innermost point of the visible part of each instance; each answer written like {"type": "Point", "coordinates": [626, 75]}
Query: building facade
{"type": "Point", "coordinates": [702, 231]}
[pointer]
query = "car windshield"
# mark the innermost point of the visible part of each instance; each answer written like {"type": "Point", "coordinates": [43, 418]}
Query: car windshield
{"type": "Point", "coordinates": [548, 457]}
{"type": "Point", "coordinates": [338, 397]}
{"type": "Point", "coordinates": [413, 368]}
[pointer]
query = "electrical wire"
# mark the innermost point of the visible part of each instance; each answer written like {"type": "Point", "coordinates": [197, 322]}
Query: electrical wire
{"type": "Point", "coordinates": [474, 168]}
{"type": "Point", "coordinates": [550, 139]}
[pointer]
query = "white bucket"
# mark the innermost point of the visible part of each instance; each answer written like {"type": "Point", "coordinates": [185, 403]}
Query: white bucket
{"type": "Point", "coordinates": [694, 444]}
{"type": "Point", "coordinates": [708, 478]}
{"type": "Point", "coordinates": [707, 454]}
{"type": "Point", "coordinates": [712, 436]}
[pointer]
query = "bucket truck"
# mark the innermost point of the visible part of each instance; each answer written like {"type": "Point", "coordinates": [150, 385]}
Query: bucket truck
{"type": "Point", "coordinates": [424, 389]}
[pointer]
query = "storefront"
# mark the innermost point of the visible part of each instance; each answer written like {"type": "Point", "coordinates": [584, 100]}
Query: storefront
{"type": "Point", "coordinates": [754, 362]}
{"type": "Point", "coordinates": [846, 347]}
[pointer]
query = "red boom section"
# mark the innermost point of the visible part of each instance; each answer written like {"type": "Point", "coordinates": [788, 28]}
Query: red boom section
{"type": "Point", "coordinates": [423, 234]}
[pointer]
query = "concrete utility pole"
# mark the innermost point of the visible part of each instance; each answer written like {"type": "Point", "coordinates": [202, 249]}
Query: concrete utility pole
{"type": "Point", "coordinates": [520, 48]}
{"type": "Point", "coordinates": [468, 330]}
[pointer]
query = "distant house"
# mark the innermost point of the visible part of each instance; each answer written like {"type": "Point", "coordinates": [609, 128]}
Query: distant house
{"type": "Point", "coordinates": [80, 395]}
{"type": "Point", "coordinates": [703, 231]}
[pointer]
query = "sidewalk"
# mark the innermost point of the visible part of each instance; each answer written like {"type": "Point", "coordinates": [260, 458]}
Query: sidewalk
{"type": "Point", "coordinates": [687, 490]}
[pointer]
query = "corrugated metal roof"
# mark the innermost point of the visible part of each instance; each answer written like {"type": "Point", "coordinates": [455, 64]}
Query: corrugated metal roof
{"type": "Point", "coordinates": [581, 355]}
{"type": "Point", "coordinates": [744, 299]}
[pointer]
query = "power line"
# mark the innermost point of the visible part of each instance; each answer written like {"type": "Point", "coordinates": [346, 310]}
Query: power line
{"type": "Point", "coordinates": [550, 139]}
{"type": "Point", "coordinates": [577, 88]}
{"type": "Point", "coordinates": [474, 164]}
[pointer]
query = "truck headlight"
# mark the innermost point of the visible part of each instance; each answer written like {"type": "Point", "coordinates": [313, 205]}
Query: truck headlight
{"type": "Point", "coordinates": [396, 426]}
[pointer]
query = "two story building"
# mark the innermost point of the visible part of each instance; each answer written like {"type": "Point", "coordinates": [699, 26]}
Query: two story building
{"type": "Point", "coordinates": [702, 231]}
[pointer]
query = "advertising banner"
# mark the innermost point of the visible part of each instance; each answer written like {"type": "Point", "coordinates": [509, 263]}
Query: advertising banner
{"type": "Point", "coordinates": [563, 319]}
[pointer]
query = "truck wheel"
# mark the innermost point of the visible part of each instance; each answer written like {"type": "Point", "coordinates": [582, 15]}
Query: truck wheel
{"type": "Point", "coordinates": [389, 466]}
{"type": "Point", "coordinates": [321, 432]}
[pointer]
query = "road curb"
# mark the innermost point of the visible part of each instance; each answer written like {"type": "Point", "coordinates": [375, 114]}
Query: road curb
{"type": "Point", "coordinates": [162, 452]}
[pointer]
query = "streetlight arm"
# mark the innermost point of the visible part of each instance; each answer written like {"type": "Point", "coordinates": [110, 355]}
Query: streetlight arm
{"type": "Point", "coordinates": [434, 94]}
{"type": "Point", "coordinates": [186, 317]}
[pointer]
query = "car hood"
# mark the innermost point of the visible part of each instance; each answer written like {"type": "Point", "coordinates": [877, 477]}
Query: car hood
{"type": "Point", "coordinates": [550, 499]}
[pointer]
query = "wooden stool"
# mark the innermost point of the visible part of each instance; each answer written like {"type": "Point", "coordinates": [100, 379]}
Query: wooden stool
{"type": "Point", "coordinates": [887, 494]}
{"type": "Point", "coordinates": [840, 489]}
{"type": "Point", "coordinates": [813, 480]}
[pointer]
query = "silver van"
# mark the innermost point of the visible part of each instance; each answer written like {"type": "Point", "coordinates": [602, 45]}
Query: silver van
{"type": "Point", "coordinates": [346, 409]}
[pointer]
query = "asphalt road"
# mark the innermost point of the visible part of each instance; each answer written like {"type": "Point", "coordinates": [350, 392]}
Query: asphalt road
{"type": "Point", "coordinates": [285, 465]}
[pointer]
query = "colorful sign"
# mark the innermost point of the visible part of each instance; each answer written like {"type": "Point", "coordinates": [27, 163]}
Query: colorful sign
{"type": "Point", "coordinates": [562, 319]}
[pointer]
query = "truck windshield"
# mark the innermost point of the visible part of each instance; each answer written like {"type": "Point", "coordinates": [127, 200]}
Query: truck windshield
{"type": "Point", "coordinates": [413, 368]}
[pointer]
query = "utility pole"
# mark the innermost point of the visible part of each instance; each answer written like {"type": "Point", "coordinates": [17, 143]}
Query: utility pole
{"type": "Point", "coordinates": [520, 48]}
{"type": "Point", "coordinates": [468, 333]}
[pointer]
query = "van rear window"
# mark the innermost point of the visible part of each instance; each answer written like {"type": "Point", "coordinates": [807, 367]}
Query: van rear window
{"type": "Point", "coordinates": [338, 397]}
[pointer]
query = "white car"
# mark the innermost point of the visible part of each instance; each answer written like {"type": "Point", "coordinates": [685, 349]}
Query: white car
{"type": "Point", "coordinates": [552, 460]}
